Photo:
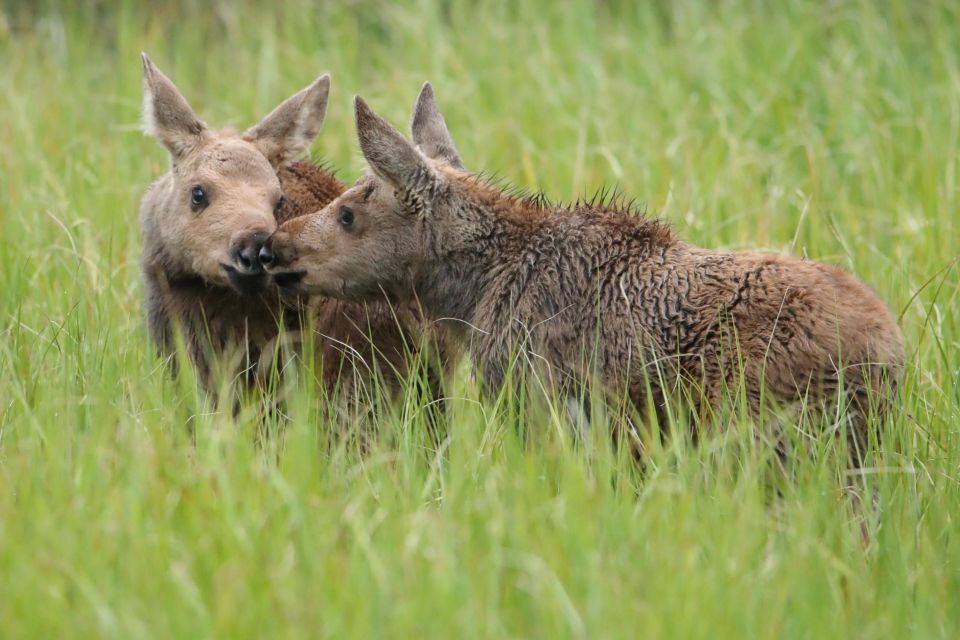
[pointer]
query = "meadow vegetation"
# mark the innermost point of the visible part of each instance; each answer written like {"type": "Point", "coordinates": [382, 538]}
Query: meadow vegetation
{"type": "Point", "coordinates": [133, 506]}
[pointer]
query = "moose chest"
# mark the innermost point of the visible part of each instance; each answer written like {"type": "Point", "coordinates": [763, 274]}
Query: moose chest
{"type": "Point", "coordinates": [216, 323]}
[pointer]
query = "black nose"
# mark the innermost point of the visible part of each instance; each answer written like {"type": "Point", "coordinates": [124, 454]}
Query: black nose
{"type": "Point", "coordinates": [266, 255]}
{"type": "Point", "coordinates": [246, 255]}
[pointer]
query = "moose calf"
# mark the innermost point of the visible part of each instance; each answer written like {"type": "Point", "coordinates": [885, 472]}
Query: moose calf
{"type": "Point", "coordinates": [589, 289]}
{"type": "Point", "coordinates": [204, 223]}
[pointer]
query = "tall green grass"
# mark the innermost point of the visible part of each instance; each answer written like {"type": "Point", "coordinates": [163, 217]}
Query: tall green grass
{"type": "Point", "coordinates": [131, 506]}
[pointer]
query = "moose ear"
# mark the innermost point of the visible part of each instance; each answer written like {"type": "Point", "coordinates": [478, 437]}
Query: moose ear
{"type": "Point", "coordinates": [430, 131]}
{"type": "Point", "coordinates": [166, 114]}
{"type": "Point", "coordinates": [389, 154]}
{"type": "Point", "coordinates": [286, 134]}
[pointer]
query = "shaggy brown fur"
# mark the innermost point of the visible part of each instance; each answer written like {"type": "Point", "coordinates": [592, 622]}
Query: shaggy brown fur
{"type": "Point", "coordinates": [228, 313]}
{"type": "Point", "coordinates": [589, 290]}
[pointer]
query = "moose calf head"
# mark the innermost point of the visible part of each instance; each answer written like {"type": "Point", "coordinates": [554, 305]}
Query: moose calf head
{"type": "Point", "coordinates": [374, 237]}
{"type": "Point", "coordinates": [210, 215]}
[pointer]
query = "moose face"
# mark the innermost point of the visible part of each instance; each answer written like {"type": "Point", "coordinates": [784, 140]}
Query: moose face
{"type": "Point", "coordinates": [222, 199]}
{"type": "Point", "coordinates": [210, 215]}
{"type": "Point", "coordinates": [373, 238]}
{"type": "Point", "coordinates": [359, 246]}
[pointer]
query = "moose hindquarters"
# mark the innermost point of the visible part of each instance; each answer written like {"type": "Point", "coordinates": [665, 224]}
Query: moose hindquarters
{"type": "Point", "coordinates": [808, 336]}
{"type": "Point", "coordinates": [836, 348]}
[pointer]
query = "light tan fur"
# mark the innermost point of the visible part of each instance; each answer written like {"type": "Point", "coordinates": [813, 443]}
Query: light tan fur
{"type": "Point", "coordinates": [230, 314]}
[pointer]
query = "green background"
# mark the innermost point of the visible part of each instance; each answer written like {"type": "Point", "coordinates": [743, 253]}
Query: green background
{"type": "Point", "coordinates": [824, 129]}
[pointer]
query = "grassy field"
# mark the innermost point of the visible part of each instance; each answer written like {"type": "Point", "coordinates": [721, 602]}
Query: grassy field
{"type": "Point", "coordinates": [829, 130]}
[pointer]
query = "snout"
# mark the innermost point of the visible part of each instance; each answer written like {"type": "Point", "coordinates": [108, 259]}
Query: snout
{"type": "Point", "coordinates": [245, 273]}
{"type": "Point", "coordinates": [278, 253]}
{"type": "Point", "coordinates": [246, 253]}
{"type": "Point", "coordinates": [266, 255]}
{"type": "Point", "coordinates": [279, 256]}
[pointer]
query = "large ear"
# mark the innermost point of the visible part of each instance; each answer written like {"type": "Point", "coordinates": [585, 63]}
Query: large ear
{"type": "Point", "coordinates": [390, 155]}
{"type": "Point", "coordinates": [430, 131]}
{"type": "Point", "coordinates": [166, 114]}
{"type": "Point", "coordinates": [286, 134]}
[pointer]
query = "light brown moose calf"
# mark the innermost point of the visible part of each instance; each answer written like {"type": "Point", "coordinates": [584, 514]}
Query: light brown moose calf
{"type": "Point", "coordinates": [204, 223]}
{"type": "Point", "coordinates": [590, 289]}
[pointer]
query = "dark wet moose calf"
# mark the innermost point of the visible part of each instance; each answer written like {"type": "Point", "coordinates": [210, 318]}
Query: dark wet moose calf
{"type": "Point", "coordinates": [590, 290]}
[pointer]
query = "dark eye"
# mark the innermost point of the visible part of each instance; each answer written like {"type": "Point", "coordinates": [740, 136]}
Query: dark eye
{"type": "Point", "coordinates": [345, 216]}
{"type": "Point", "coordinates": [198, 197]}
{"type": "Point", "coordinates": [280, 202]}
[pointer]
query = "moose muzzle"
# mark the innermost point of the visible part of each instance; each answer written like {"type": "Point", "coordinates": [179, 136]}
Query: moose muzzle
{"type": "Point", "coordinates": [245, 252]}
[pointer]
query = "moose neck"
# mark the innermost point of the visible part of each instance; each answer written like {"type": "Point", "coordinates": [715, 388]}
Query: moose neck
{"type": "Point", "coordinates": [474, 246]}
